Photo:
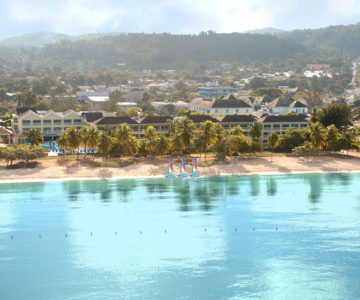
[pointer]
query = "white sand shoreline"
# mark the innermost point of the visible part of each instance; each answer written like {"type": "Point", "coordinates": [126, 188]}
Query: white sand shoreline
{"type": "Point", "coordinates": [275, 173]}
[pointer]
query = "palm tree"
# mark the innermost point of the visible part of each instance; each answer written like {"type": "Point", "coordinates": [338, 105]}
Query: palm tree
{"type": "Point", "coordinates": [209, 134]}
{"type": "Point", "coordinates": [73, 139]}
{"type": "Point", "coordinates": [273, 142]}
{"type": "Point", "coordinates": [84, 137]}
{"type": "Point", "coordinates": [347, 141]}
{"type": "Point", "coordinates": [317, 136]}
{"type": "Point", "coordinates": [332, 138]}
{"type": "Point", "coordinates": [150, 138]}
{"type": "Point", "coordinates": [162, 145]}
{"type": "Point", "coordinates": [105, 145]}
{"type": "Point", "coordinates": [62, 142]}
{"type": "Point", "coordinates": [34, 136]}
{"type": "Point", "coordinates": [256, 130]}
{"type": "Point", "coordinates": [94, 137]}
{"type": "Point", "coordinates": [122, 137]}
{"type": "Point", "coordinates": [185, 133]}
{"type": "Point", "coordinates": [132, 146]}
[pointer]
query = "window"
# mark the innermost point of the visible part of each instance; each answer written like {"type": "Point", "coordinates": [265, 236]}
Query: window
{"type": "Point", "coordinates": [25, 130]}
{"type": "Point", "coordinates": [36, 122]}
{"type": "Point", "coordinates": [67, 122]}
{"type": "Point", "coordinates": [276, 127]}
{"type": "Point", "coordinates": [295, 126]}
{"type": "Point", "coordinates": [266, 134]}
{"type": "Point", "coordinates": [267, 126]}
{"type": "Point", "coordinates": [77, 121]}
{"type": "Point", "coordinates": [237, 110]}
{"type": "Point", "coordinates": [57, 129]}
{"type": "Point", "coordinates": [46, 122]}
{"type": "Point", "coordinates": [15, 127]}
{"type": "Point", "coordinates": [303, 125]}
{"type": "Point", "coordinates": [244, 126]}
{"type": "Point", "coordinates": [227, 110]}
{"type": "Point", "coordinates": [15, 120]}
{"type": "Point", "coordinates": [246, 134]}
{"type": "Point", "coordinates": [47, 130]}
{"type": "Point", "coordinates": [57, 122]}
{"type": "Point", "coordinates": [285, 126]}
{"type": "Point", "coordinates": [26, 122]}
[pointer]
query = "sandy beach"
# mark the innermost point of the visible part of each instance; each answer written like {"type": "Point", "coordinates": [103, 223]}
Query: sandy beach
{"type": "Point", "coordinates": [57, 168]}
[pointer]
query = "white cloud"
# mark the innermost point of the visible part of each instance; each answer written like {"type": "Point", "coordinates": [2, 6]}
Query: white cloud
{"type": "Point", "coordinates": [179, 16]}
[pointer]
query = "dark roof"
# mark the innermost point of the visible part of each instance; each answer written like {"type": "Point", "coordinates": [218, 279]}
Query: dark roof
{"type": "Point", "coordinates": [232, 102]}
{"type": "Point", "coordinates": [115, 120]}
{"type": "Point", "coordinates": [239, 118]}
{"type": "Point", "coordinates": [297, 104]}
{"type": "Point", "coordinates": [285, 118]}
{"type": "Point", "coordinates": [282, 101]}
{"type": "Point", "coordinates": [202, 118]}
{"type": "Point", "coordinates": [21, 110]}
{"type": "Point", "coordinates": [265, 99]}
{"type": "Point", "coordinates": [155, 119]}
{"type": "Point", "coordinates": [91, 116]}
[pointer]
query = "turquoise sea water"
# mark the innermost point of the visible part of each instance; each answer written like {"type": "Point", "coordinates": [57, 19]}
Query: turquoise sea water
{"type": "Point", "coordinates": [250, 237]}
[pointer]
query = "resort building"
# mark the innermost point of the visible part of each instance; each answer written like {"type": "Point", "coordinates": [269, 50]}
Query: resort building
{"type": "Point", "coordinates": [49, 122]}
{"type": "Point", "coordinates": [281, 123]}
{"type": "Point", "coordinates": [244, 121]}
{"type": "Point", "coordinates": [52, 123]}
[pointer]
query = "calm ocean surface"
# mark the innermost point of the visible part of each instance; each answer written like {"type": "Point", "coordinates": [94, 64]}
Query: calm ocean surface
{"type": "Point", "coordinates": [250, 237]}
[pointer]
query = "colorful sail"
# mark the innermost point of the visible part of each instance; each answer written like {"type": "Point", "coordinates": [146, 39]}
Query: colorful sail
{"type": "Point", "coordinates": [182, 169]}
{"type": "Point", "coordinates": [194, 168]}
{"type": "Point", "coordinates": [170, 169]}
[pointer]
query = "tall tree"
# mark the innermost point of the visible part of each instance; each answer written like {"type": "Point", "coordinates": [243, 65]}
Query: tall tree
{"type": "Point", "coordinates": [209, 134]}
{"type": "Point", "coordinates": [63, 142]}
{"type": "Point", "coordinates": [74, 139]}
{"type": "Point", "coordinates": [34, 136]}
{"type": "Point", "coordinates": [150, 139]}
{"type": "Point", "coordinates": [105, 145]}
{"type": "Point", "coordinates": [256, 130]}
{"type": "Point", "coordinates": [317, 136]}
{"type": "Point", "coordinates": [273, 142]}
{"type": "Point", "coordinates": [84, 137]}
{"type": "Point", "coordinates": [94, 137]}
{"type": "Point", "coordinates": [26, 98]}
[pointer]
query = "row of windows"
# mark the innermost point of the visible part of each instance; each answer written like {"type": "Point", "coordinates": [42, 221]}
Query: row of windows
{"type": "Point", "coordinates": [49, 122]}
{"type": "Point", "coordinates": [284, 126]}
{"type": "Point", "coordinates": [48, 130]}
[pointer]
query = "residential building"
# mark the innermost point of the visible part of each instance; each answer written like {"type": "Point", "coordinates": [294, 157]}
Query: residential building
{"type": "Point", "coordinates": [284, 105]}
{"type": "Point", "coordinates": [226, 106]}
{"type": "Point", "coordinates": [209, 92]}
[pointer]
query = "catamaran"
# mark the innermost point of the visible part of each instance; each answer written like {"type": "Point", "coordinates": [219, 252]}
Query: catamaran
{"type": "Point", "coordinates": [170, 169]}
{"type": "Point", "coordinates": [194, 172]}
{"type": "Point", "coordinates": [182, 169]}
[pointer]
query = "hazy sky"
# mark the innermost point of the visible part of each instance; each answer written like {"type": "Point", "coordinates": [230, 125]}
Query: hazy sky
{"type": "Point", "coordinates": [176, 16]}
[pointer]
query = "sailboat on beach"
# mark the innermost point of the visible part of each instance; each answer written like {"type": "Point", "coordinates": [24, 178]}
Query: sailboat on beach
{"type": "Point", "coordinates": [170, 173]}
{"type": "Point", "coordinates": [194, 172]}
{"type": "Point", "coordinates": [182, 168]}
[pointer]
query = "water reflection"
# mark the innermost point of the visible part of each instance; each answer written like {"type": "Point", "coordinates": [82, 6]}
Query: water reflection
{"type": "Point", "coordinates": [271, 186]}
{"type": "Point", "coordinates": [315, 182]}
{"type": "Point", "coordinates": [254, 185]}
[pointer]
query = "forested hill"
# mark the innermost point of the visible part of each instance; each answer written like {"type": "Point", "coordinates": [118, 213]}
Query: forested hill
{"type": "Point", "coordinates": [333, 40]}
{"type": "Point", "coordinates": [161, 50]}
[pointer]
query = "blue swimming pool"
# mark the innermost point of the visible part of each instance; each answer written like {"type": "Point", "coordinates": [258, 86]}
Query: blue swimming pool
{"type": "Point", "coordinates": [231, 237]}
